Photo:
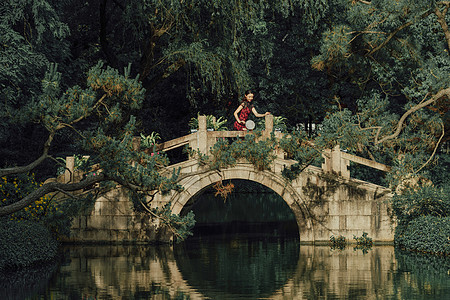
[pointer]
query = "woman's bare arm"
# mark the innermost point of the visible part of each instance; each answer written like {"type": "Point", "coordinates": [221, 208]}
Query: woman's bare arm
{"type": "Point", "coordinates": [258, 114]}
{"type": "Point", "coordinates": [236, 112]}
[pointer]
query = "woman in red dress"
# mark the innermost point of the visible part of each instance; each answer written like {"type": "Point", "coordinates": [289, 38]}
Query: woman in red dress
{"type": "Point", "coordinates": [243, 111]}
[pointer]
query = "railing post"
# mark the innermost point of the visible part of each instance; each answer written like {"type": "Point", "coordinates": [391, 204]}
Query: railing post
{"type": "Point", "coordinates": [70, 165]}
{"type": "Point", "coordinates": [269, 125]}
{"type": "Point", "coordinates": [202, 138]}
{"type": "Point", "coordinates": [335, 163]}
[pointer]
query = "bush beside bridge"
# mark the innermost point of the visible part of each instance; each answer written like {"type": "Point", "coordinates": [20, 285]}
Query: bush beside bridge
{"type": "Point", "coordinates": [426, 234]}
{"type": "Point", "coordinates": [24, 244]}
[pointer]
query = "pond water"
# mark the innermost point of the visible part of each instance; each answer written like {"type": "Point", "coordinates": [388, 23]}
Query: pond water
{"type": "Point", "coordinates": [233, 267]}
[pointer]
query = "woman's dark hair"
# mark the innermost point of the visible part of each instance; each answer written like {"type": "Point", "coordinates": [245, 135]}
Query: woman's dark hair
{"type": "Point", "coordinates": [244, 100]}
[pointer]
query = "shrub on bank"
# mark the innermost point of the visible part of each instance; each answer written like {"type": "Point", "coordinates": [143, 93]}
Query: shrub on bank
{"type": "Point", "coordinates": [25, 244]}
{"type": "Point", "coordinates": [427, 234]}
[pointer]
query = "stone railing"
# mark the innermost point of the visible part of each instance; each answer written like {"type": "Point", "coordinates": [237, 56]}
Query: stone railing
{"type": "Point", "coordinates": [336, 160]}
{"type": "Point", "coordinates": [204, 139]}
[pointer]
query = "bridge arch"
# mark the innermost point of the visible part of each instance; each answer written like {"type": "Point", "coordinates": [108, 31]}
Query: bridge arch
{"type": "Point", "coordinates": [199, 181]}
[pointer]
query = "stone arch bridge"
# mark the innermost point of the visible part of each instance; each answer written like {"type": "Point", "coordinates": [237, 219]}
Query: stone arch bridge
{"type": "Point", "coordinates": [326, 201]}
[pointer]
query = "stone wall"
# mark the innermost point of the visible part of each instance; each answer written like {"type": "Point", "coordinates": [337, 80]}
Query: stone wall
{"type": "Point", "coordinates": [113, 220]}
{"type": "Point", "coordinates": [349, 208]}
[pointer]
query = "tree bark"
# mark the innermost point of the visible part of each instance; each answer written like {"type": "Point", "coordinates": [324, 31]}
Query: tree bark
{"type": "Point", "coordinates": [441, 20]}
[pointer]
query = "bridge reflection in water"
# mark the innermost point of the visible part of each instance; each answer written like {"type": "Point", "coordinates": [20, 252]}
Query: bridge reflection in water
{"type": "Point", "coordinates": [231, 269]}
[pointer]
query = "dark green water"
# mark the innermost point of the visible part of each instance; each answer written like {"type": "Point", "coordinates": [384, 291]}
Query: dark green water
{"type": "Point", "coordinates": [236, 267]}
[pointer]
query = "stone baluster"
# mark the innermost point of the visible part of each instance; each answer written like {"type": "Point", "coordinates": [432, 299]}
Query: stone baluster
{"type": "Point", "coordinates": [202, 138]}
{"type": "Point", "coordinates": [335, 163]}
{"type": "Point", "coordinates": [70, 165]}
{"type": "Point", "coordinates": [269, 125]}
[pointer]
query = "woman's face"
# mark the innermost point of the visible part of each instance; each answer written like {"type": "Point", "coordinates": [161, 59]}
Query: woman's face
{"type": "Point", "coordinates": [249, 97]}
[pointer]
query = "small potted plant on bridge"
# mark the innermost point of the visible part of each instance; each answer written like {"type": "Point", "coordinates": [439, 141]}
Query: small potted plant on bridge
{"type": "Point", "coordinates": [279, 123]}
{"type": "Point", "coordinates": [149, 141]}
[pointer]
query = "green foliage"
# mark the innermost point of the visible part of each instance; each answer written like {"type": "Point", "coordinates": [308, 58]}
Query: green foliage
{"type": "Point", "coordinates": [51, 211]}
{"type": "Point", "coordinates": [32, 34]}
{"type": "Point", "coordinates": [335, 47]}
{"type": "Point", "coordinates": [363, 240]}
{"type": "Point", "coordinates": [24, 244]}
{"type": "Point", "coordinates": [59, 221]}
{"type": "Point", "coordinates": [215, 40]}
{"type": "Point", "coordinates": [394, 55]}
{"type": "Point", "coordinates": [14, 188]}
{"type": "Point", "coordinates": [426, 234]}
{"type": "Point", "coordinates": [279, 123]}
{"type": "Point", "coordinates": [211, 123]}
{"type": "Point", "coordinates": [418, 201]}
{"type": "Point", "coordinates": [423, 219]}
{"type": "Point", "coordinates": [260, 153]}
{"type": "Point", "coordinates": [440, 170]}
{"type": "Point", "coordinates": [298, 147]}
{"type": "Point", "coordinates": [149, 141]}
{"type": "Point", "coordinates": [338, 242]}
{"type": "Point", "coordinates": [363, 243]}
{"type": "Point", "coordinates": [181, 226]}
{"type": "Point", "coordinates": [114, 155]}
{"type": "Point", "coordinates": [340, 128]}
{"type": "Point", "coordinates": [107, 102]}
{"type": "Point", "coordinates": [218, 124]}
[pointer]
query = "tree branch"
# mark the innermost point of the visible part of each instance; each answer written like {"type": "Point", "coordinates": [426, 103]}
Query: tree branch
{"type": "Point", "coordinates": [48, 188]}
{"type": "Point", "coordinates": [34, 164]}
{"type": "Point", "coordinates": [392, 34]}
{"type": "Point", "coordinates": [440, 94]}
{"type": "Point", "coordinates": [434, 151]}
{"type": "Point", "coordinates": [364, 2]}
{"type": "Point", "coordinates": [166, 221]}
{"type": "Point", "coordinates": [441, 20]}
{"type": "Point", "coordinates": [47, 144]}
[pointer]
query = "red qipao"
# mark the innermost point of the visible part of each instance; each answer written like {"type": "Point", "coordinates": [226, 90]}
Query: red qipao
{"type": "Point", "coordinates": [243, 116]}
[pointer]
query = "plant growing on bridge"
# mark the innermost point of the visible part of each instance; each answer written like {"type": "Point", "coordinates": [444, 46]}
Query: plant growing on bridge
{"type": "Point", "coordinates": [338, 242]}
{"type": "Point", "coordinates": [298, 146]}
{"type": "Point", "coordinates": [150, 140]}
{"type": "Point", "coordinates": [259, 152]}
{"type": "Point", "coordinates": [225, 154]}
{"type": "Point", "coordinates": [279, 123]}
{"type": "Point", "coordinates": [363, 240]}
{"type": "Point", "coordinates": [223, 189]}
{"type": "Point", "coordinates": [217, 124]}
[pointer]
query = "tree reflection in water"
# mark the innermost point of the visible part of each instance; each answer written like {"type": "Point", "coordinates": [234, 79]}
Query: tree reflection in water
{"type": "Point", "coordinates": [237, 268]}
